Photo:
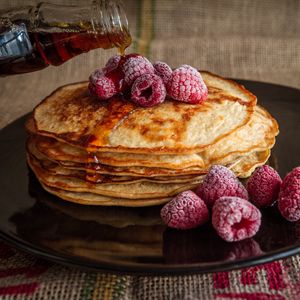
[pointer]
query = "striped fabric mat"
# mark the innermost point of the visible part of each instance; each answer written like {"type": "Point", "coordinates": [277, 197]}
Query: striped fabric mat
{"type": "Point", "coordinates": [23, 276]}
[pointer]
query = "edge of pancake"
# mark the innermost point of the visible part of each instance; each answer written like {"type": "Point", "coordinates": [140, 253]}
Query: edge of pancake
{"type": "Point", "coordinates": [143, 190]}
{"type": "Point", "coordinates": [247, 169]}
{"type": "Point", "coordinates": [270, 137]}
{"type": "Point", "coordinates": [80, 174]}
{"type": "Point", "coordinates": [83, 198]}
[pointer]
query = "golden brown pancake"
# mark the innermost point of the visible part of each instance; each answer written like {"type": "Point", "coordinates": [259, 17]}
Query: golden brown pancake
{"type": "Point", "coordinates": [71, 115]}
{"type": "Point", "coordinates": [121, 174]}
{"type": "Point", "coordinates": [258, 134]}
{"type": "Point", "coordinates": [68, 187]}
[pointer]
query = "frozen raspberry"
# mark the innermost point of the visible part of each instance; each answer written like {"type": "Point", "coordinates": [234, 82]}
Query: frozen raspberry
{"type": "Point", "coordinates": [148, 90]}
{"type": "Point", "coordinates": [187, 85]}
{"type": "Point", "coordinates": [92, 89]}
{"type": "Point", "coordinates": [112, 63]}
{"type": "Point", "coordinates": [93, 79]}
{"type": "Point", "coordinates": [263, 186]}
{"type": "Point", "coordinates": [134, 67]}
{"type": "Point", "coordinates": [113, 71]}
{"type": "Point", "coordinates": [235, 219]}
{"type": "Point", "coordinates": [163, 71]}
{"type": "Point", "coordinates": [219, 182]}
{"type": "Point", "coordinates": [294, 174]}
{"type": "Point", "coordinates": [103, 87]}
{"type": "Point", "coordinates": [185, 211]}
{"type": "Point", "coordinates": [289, 196]}
{"type": "Point", "coordinates": [96, 75]}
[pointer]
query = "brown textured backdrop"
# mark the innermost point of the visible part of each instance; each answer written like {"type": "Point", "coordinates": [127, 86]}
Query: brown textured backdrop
{"type": "Point", "coordinates": [250, 39]}
{"type": "Point", "coordinates": [258, 40]}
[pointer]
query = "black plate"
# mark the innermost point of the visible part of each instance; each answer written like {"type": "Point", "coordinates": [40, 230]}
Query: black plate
{"type": "Point", "coordinates": [133, 240]}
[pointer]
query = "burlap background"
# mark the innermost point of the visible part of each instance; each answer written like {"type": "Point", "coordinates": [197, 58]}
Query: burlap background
{"type": "Point", "coordinates": [258, 40]}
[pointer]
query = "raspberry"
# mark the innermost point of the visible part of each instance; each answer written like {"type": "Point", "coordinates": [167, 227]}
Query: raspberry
{"type": "Point", "coordinates": [263, 186]}
{"type": "Point", "coordinates": [96, 75]}
{"type": "Point", "coordinates": [187, 85]}
{"type": "Point", "coordinates": [135, 66]}
{"type": "Point", "coordinates": [219, 182]}
{"type": "Point", "coordinates": [295, 173]}
{"type": "Point", "coordinates": [289, 196]}
{"type": "Point", "coordinates": [185, 211]}
{"type": "Point", "coordinates": [92, 89]}
{"type": "Point", "coordinates": [103, 87]}
{"type": "Point", "coordinates": [235, 219]}
{"type": "Point", "coordinates": [163, 71]}
{"type": "Point", "coordinates": [112, 63]}
{"type": "Point", "coordinates": [148, 90]}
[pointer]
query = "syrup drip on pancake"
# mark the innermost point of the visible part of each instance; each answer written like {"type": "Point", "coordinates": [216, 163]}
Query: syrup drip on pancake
{"type": "Point", "coordinates": [91, 174]}
{"type": "Point", "coordinates": [117, 111]}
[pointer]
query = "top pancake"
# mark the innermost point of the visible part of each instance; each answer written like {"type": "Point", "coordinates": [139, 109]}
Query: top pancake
{"type": "Point", "coordinates": [71, 115]}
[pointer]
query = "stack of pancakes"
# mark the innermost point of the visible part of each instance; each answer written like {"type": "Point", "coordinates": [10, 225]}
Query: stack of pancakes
{"type": "Point", "coordinates": [116, 153]}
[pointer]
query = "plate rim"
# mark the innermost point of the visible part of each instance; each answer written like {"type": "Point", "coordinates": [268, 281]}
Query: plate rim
{"type": "Point", "coordinates": [145, 270]}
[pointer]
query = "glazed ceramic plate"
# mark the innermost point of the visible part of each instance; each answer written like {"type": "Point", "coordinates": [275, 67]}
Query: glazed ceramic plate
{"type": "Point", "coordinates": [133, 240]}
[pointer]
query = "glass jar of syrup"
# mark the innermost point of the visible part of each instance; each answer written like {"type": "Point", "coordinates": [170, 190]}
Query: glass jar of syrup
{"type": "Point", "coordinates": [33, 38]}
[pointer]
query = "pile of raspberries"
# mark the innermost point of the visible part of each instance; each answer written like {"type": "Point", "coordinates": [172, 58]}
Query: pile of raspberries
{"type": "Point", "coordinates": [147, 84]}
{"type": "Point", "coordinates": [234, 208]}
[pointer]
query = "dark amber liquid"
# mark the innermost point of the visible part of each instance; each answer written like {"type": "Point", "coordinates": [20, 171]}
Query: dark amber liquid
{"type": "Point", "coordinates": [54, 48]}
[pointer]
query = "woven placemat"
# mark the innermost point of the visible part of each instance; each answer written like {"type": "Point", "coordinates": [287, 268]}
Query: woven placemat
{"type": "Point", "coordinates": [257, 40]}
{"type": "Point", "coordinates": [23, 276]}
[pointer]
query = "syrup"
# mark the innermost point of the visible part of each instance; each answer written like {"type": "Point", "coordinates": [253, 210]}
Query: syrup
{"type": "Point", "coordinates": [55, 48]}
{"type": "Point", "coordinates": [117, 111]}
{"type": "Point", "coordinates": [93, 177]}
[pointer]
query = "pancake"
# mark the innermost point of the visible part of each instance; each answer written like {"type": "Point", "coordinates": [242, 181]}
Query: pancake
{"type": "Point", "coordinates": [116, 171]}
{"type": "Point", "coordinates": [134, 190]}
{"type": "Point", "coordinates": [71, 115]}
{"type": "Point", "coordinates": [119, 174]}
{"type": "Point", "coordinates": [55, 169]}
{"type": "Point", "coordinates": [88, 198]}
{"type": "Point", "coordinates": [248, 164]}
{"type": "Point", "coordinates": [258, 134]}
{"type": "Point", "coordinates": [57, 150]}
{"type": "Point", "coordinates": [96, 199]}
